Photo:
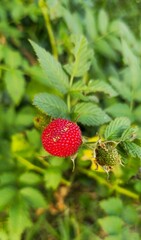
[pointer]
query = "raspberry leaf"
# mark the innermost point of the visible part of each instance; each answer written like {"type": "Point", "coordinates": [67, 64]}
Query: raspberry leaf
{"type": "Point", "coordinates": [56, 77]}
{"type": "Point", "coordinates": [90, 114]}
{"type": "Point", "coordinates": [101, 86]}
{"type": "Point", "coordinates": [51, 105]}
{"type": "Point", "coordinates": [122, 88]}
{"type": "Point", "coordinates": [82, 57]}
{"type": "Point", "coordinates": [116, 127]}
{"type": "Point", "coordinates": [129, 133]}
{"type": "Point", "coordinates": [132, 149]}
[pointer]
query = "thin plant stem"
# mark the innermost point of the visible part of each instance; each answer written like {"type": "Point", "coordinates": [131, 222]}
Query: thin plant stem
{"type": "Point", "coordinates": [45, 11]}
{"type": "Point", "coordinates": [116, 188]}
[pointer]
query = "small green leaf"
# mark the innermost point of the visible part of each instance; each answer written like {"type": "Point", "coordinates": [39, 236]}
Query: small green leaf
{"type": "Point", "coordinates": [51, 105]}
{"type": "Point", "coordinates": [52, 178]}
{"type": "Point", "coordinates": [56, 77]}
{"type": "Point", "coordinates": [116, 127]}
{"type": "Point", "coordinates": [111, 224]}
{"type": "Point", "coordinates": [132, 149]}
{"type": "Point", "coordinates": [34, 197]}
{"type": "Point", "coordinates": [90, 114]}
{"type": "Point", "coordinates": [82, 57]}
{"type": "Point", "coordinates": [101, 86]}
{"type": "Point", "coordinates": [7, 194]}
{"type": "Point", "coordinates": [15, 85]}
{"type": "Point", "coordinates": [112, 206]}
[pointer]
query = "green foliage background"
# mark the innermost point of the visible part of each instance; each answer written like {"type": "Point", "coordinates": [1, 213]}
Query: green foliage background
{"type": "Point", "coordinates": [40, 197]}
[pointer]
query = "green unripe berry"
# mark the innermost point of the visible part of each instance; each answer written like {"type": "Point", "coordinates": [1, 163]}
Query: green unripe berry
{"type": "Point", "coordinates": [107, 155]}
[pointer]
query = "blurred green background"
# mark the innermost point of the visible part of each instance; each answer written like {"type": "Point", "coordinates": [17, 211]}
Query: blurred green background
{"type": "Point", "coordinates": [42, 199]}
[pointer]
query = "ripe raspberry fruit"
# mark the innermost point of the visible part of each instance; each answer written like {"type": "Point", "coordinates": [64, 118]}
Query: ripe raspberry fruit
{"type": "Point", "coordinates": [61, 138]}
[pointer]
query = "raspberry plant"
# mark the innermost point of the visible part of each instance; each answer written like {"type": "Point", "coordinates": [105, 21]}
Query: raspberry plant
{"type": "Point", "coordinates": [91, 79]}
{"type": "Point", "coordinates": [76, 100]}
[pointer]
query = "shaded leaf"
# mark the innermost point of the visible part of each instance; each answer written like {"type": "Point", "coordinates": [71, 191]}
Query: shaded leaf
{"type": "Point", "coordinates": [122, 88]}
{"type": "Point", "coordinates": [120, 110]}
{"type": "Point", "coordinates": [101, 86]}
{"type": "Point", "coordinates": [90, 114]}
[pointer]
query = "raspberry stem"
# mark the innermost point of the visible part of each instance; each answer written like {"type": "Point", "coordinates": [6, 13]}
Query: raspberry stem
{"type": "Point", "coordinates": [69, 97]}
{"type": "Point", "coordinates": [114, 187]}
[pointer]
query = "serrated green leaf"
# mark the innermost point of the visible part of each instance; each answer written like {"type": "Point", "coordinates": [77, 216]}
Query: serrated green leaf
{"type": "Point", "coordinates": [116, 127]}
{"type": "Point", "coordinates": [7, 194]}
{"type": "Point", "coordinates": [112, 206]}
{"type": "Point", "coordinates": [15, 84]}
{"type": "Point", "coordinates": [56, 77]}
{"type": "Point", "coordinates": [82, 57]}
{"type": "Point", "coordinates": [18, 219]}
{"type": "Point", "coordinates": [129, 133]}
{"type": "Point", "coordinates": [51, 105]}
{"type": "Point", "coordinates": [90, 114]}
{"type": "Point", "coordinates": [132, 149]}
{"type": "Point", "coordinates": [34, 197]}
{"type": "Point", "coordinates": [101, 86]}
{"type": "Point", "coordinates": [111, 224]}
{"type": "Point", "coordinates": [103, 21]}
{"type": "Point", "coordinates": [122, 88]}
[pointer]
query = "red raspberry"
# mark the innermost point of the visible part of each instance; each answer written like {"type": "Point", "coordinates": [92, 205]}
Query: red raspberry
{"type": "Point", "coordinates": [61, 138]}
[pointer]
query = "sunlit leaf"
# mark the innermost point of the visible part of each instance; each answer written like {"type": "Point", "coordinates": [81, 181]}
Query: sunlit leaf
{"type": "Point", "coordinates": [55, 76]}
{"type": "Point", "coordinates": [51, 105]}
